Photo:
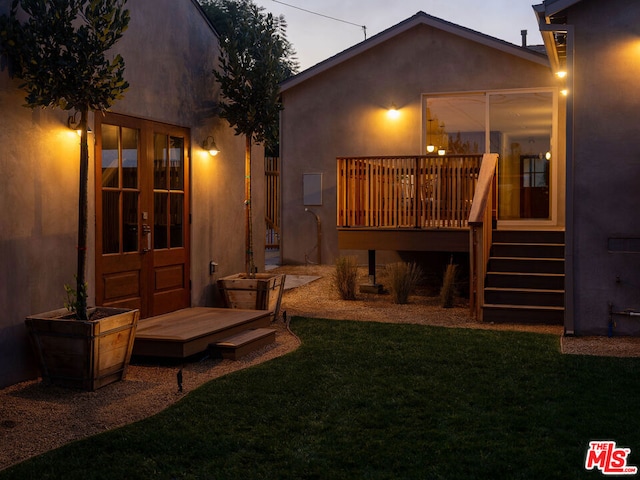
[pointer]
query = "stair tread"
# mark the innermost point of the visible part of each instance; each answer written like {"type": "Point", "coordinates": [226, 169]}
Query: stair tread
{"type": "Point", "coordinates": [532, 274]}
{"type": "Point", "coordinates": [537, 259]}
{"type": "Point", "coordinates": [244, 337]}
{"type": "Point", "coordinates": [521, 307]}
{"type": "Point", "coordinates": [533, 244]}
{"type": "Point", "coordinates": [520, 289]}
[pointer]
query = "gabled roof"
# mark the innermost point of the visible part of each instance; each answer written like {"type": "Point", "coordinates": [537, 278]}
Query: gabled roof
{"type": "Point", "coordinates": [419, 18]}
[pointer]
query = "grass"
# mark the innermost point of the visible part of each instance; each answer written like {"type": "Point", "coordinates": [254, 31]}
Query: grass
{"type": "Point", "coordinates": [367, 400]}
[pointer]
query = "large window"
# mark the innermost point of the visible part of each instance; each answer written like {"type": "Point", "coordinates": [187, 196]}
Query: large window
{"type": "Point", "coordinates": [516, 125]}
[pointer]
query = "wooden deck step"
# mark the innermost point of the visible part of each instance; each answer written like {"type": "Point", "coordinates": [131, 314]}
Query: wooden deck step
{"type": "Point", "coordinates": [242, 343]}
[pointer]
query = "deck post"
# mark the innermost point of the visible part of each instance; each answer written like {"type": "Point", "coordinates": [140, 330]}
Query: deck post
{"type": "Point", "coordinates": [372, 267]}
{"type": "Point", "coordinates": [372, 286]}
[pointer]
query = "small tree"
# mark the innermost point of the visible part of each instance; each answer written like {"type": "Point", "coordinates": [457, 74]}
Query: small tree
{"type": "Point", "coordinates": [255, 58]}
{"type": "Point", "coordinates": [59, 52]}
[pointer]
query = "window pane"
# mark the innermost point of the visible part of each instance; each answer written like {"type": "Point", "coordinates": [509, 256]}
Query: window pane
{"type": "Point", "coordinates": [176, 155]}
{"type": "Point", "coordinates": [110, 223]}
{"type": "Point", "coordinates": [110, 156]}
{"type": "Point", "coordinates": [457, 124]}
{"type": "Point", "coordinates": [160, 239]}
{"type": "Point", "coordinates": [160, 162]}
{"type": "Point", "coordinates": [129, 158]}
{"type": "Point", "coordinates": [130, 221]}
{"type": "Point", "coordinates": [176, 219]}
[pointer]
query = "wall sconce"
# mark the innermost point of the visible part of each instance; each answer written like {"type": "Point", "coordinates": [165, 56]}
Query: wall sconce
{"type": "Point", "coordinates": [74, 124]}
{"type": "Point", "coordinates": [561, 74]}
{"type": "Point", "coordinates": [393, 112]}
{"type": "Point", "coordinates": [210, 146]}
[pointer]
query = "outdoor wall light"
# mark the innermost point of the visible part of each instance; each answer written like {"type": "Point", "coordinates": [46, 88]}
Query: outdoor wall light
{"type": "Point", "coordinates": [393, 112]}
{"type": "Point", "coordinates": [561, 74]}
{"type": "Point", "coordinates": [210, 146]}
{"type": "Point", "coordinates": [74, 124]}
{"type": "Point", "coordinates": [564, 92]}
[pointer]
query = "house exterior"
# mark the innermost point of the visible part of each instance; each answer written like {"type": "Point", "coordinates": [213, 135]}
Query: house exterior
{"type": "Point", "coordinates": [566, 159]}
{"type": "Point", "coordinates": [161, 208]}
{"type": "Point", "coordinates": [598, 44]}
{"type": "Point", "coordinates": [451, 89]}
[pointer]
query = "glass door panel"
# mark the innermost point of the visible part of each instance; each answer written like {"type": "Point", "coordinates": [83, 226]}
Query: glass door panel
{"type": "Point", "coordinates": [521, 127]}
{"type": "Point", "coordinates": [168, 191]}
{"type": "Point", "coordinates": [120, 192]}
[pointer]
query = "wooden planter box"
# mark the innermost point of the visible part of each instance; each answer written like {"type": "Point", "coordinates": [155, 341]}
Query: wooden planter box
{"type": "Point", "coordinates": [263, 292]}
{"type": "Point", "coordinates": [83, 354]}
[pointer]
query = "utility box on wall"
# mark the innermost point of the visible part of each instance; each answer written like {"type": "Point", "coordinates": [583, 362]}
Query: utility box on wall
{"type": "Point", "coordinates": [312, 188]}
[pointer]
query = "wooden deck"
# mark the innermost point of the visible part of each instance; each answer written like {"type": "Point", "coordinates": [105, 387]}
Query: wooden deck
{"type": "Point", "coordinates": [190, 331]}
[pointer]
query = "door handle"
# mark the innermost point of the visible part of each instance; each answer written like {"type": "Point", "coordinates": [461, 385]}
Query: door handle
{"type": "Point", "coordinates": [146, 230]}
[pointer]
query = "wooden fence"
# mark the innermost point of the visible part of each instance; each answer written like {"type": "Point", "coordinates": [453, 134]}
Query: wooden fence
{"type": "Point", "coordinates": [419, 192]}
{"type": "Point", "coordinates": [272, 201]}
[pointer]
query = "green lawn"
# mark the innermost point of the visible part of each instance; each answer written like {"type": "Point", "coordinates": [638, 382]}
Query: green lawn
{"type": "Point", "coordinates": [368, 400]}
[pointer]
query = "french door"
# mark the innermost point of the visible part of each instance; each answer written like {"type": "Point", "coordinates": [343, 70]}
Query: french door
{"type": "Point", "coordinates": [142, 215]}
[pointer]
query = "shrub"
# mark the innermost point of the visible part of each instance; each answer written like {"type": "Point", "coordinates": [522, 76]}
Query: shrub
{"type": "Point", "coordinates": [345, 277]}
{"type": "Point", "coordinates": [403, 278]}
{"type": "Point", "coordinates": [449, 290]}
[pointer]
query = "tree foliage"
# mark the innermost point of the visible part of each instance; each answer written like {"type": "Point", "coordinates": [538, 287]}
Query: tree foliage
{"type": "Point", "coordinates": [255, 57]}
{"type": "Point", "coordinates": [60, 54]}
{"type": "Point", "coordinates": [60, 51]}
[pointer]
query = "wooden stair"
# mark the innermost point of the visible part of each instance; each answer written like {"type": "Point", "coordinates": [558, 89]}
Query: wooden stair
{"type": "Point", "coordinates": [525, 278]}
{"type": "Point", "coordinates": [243, 343]}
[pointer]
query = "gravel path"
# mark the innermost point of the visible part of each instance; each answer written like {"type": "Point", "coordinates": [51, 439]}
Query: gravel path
{"type": "Point", "coordinates": [35, 418]}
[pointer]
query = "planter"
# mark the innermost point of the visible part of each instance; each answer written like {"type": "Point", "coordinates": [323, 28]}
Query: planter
{"type": "Point", "coordinates": [263, 292]}
{"type": "Point", "coordinates": [83, 354]}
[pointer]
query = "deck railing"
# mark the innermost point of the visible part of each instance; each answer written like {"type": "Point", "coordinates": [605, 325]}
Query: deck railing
{"type": "Point", "coordinates": [481, 221]}
{"type": "Point", "coordinates": [416, 191]}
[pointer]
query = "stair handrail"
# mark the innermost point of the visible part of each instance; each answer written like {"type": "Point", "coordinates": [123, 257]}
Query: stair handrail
{"type": "Point", "coordinates": [481, 220]}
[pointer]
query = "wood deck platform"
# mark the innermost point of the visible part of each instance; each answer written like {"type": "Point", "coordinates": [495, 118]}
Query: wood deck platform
{"type": "Point", "coordinates": [190, 331]}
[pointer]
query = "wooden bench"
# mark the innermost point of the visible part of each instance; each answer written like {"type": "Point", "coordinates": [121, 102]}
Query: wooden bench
{"type": "Point", "coordinates": [243, 343]}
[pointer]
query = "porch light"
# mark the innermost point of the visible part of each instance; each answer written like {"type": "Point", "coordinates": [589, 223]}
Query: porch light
{"type": "Point", "coordinates": [393, 112]}
{"type": "Point", "coordinates": [431, 148]}
{"type": "Point", "coordinates": [441, 151]}
{"type": "Point", "coordinates": [561, 74]}
{"type": "Point", "coordinates": [564, 92]}
{"type": "Point", "coordinates": [547, 155]}
{"type": "Point", "coordinates": [73, 124]}
{"type": "Point", "coordinates": [210, 146]}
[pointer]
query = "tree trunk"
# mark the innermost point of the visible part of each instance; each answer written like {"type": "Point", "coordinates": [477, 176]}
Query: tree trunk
{"type": "Point", "coordinates": [249, 261]}
{"type": "Point", "coordinates": [81, 290]}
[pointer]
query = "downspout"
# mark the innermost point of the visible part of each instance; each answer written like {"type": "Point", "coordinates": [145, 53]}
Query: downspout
{"type": "Point", "coordinates": [319, 234]}
{"type": "Point", "coordinates": [569, 235]}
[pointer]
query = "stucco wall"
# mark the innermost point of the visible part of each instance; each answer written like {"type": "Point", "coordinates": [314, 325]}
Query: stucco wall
{"type": "Point", "coordinates": [342, 112]}
{"type": "Point", "coordinates": [170, 52]}
{"type": "Point", "coordinates": [607, 163]}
